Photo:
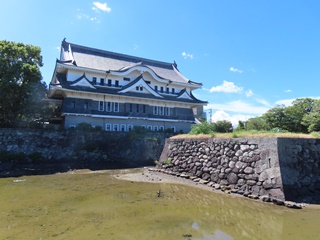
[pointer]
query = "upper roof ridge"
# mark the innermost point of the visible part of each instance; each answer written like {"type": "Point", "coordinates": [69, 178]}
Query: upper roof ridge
{"type": "Point", "coordinates": [121, 56]}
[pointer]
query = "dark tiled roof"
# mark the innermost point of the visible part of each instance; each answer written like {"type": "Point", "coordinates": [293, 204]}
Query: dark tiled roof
{"type": "Point", "coordinates": [104, 60]}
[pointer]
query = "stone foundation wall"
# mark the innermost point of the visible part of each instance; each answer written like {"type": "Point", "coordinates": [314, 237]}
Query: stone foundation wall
{"type": "Point", "coordinates": [22, 149]}
{"type": "Point", "coordinates": [269, 168]}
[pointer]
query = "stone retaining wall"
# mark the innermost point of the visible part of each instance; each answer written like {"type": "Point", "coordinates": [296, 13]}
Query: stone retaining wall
{"type": "Point", "coordinates": [274, 169]}
{"type": "Point", "coordinates": [51, 151]}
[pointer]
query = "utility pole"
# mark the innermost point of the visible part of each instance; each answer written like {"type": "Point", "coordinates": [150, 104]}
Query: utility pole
{"type": "Point", "coordinates": [210, 114]}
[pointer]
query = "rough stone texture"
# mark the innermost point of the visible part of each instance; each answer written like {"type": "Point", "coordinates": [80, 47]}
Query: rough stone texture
{"type": "Point", "coordinates": [282, 169]}
{"type": "Point", "coordinates": [300, 169]}
{"type": "Point", "coordinates": [51, 151]}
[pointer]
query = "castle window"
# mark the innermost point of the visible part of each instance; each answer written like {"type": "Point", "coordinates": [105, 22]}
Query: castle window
{"type": "Point", "coordinates": [155, 110]}
{"type": "Point", "coordinates": [167, 90]}
{"type": "Point", "coordinates": [117, 83]}
{"type": "Point", "coordinates": [116, 107]}
{"type": "Point", "coordinates": [109, 82]}
{"type": "Point", "coordinates": [108, 127]}
{"type": "Point", "coordinates": [130, 107]}
{"type": "Point", "coordinates": [138, 107]}
{"type": "Point", "coordinates": [123, 128]}
{"type": "Point", "coordinates": [109, 106]}
{"type": "Point", "coordinates": [129, 128]}
{"type": "Point", "coordinates": [161, 89]}
{"type": "Point", "coordinates": [101, 81]}
{"type": "Point", "coordinates": [160, 110]}
{"type": "Point", "coordinates": [94, 80]}
{"type": "Point", "coordinates": [167, 111]}
{"type": "Point", "coordinates": [126, 79]}
{"type": "Point", "coordinates": [85, 105]}
{"type": "Point", "coordinates": [172, 91]}
{"type": "Point", "coordinates": [73, 104]}
{"type": "Point", "coordinates": [101, 106]}
{"type": "Point", "coordinates": [115, 127]}
{"type": "Point", "coordinates": [156, 88]}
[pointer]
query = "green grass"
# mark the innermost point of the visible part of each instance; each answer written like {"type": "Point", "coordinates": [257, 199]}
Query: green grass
{"type": "Point", "coordinates": [252, 134]}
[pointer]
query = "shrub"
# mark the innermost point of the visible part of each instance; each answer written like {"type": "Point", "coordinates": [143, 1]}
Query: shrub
{"type": "Point", "coordinates": [6, 156]}
{"type": "Point", "coordinates": [85, 126]}
{"type": "Point", "coordinates": [35, 156]}
{"type": "Point", "coordinates": [168, 161]}
{"type": "Point", "coordinates": [202, 128]}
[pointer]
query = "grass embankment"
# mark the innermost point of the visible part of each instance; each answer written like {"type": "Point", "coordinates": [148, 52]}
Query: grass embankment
{"type": "Point", "coordinates": [250, 134]}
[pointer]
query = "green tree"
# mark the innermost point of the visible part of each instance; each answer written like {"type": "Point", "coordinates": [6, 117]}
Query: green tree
{"type": "Point", "coordinates": [21, 89]}
{"type": "Point", "coordinates": [202, 128]}
{"type": "Point", "coordinates": [256, 123]}
{"type": "Point", "coordinates": [223, 126]}
{"type": "Point", "coordinates": [241, 125]}
{"type": "Point", "coordinates": [276, 117]}
{"type": "Point", "coordinates": [295, 113]}
{"type": "Point", "coordinates": [311, 119]}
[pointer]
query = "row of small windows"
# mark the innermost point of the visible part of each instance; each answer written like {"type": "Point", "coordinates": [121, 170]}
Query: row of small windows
{"type": "Point", "coordinates": [108, 83]}
{"type": "Point", "coordinates": [129, 127]}
{"type": "Point", "coordinates": [138, 107]}
{"type": "Point", "coordinates": [110, 106]}
{"type": "Point", "coordinates": [138, 88]}
{"type": "Point", "coordinates": [162, 90]}
{"type": "Point", "coordinates": [158, 110]}
{"type": "Point", "coordinates": [114, 107]}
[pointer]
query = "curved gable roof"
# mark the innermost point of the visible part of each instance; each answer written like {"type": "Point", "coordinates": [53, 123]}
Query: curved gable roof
{"type": "Point", "coordinates": [82, 81]}
{"type": "Point", "coordinates": [139, 81]}
{"type": "Point", "coordinates": [81, 56]}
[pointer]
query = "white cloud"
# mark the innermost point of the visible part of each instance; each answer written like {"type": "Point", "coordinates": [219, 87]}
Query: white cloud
{"type": "Point", "coordinates": [286, 102]}
{"type": "Point", "coordinates": [234, 118]}
{"type": "Point", "coordinates": [58, 49]}
{"type": "Point", "coordinates": [288, 90]}
{"type": "Point", "coordinates": [227, 87]}
{"type": "Point", "coordinates": [101, 6]}
{"type": "Point", "coordinates": [239, 106]}
{"type": "Point", "coordinates": [249, 93]}
{"type": "Point", "coordinates": [263, 102]}
{"type": "Point", "coordinates": [232, 69]}
{"type": "Point", "coordinates": [187, 55]}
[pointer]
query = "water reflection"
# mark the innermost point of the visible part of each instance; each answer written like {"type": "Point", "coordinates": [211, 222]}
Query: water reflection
{"type": "Point", "coordinates": [227, 217]}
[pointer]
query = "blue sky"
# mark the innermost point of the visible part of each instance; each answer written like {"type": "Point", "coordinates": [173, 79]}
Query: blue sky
{"type": "Point", "coordinates": [250, 55]}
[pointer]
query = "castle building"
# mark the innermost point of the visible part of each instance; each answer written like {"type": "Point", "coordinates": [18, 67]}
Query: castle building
{"type": "Point", "coordinates": [118, 92]}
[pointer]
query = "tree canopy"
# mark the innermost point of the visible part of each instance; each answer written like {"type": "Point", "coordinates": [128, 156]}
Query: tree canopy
{"type": "Point", "coordinates": [21, 89]}
{"type": "Point", "coordinates": [296, 118]}
{"type": "Point", "coordinates": [205, 127]}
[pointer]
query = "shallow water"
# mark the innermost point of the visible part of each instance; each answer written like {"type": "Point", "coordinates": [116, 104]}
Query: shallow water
{"type": "Point", "coordinates": [95, 205]}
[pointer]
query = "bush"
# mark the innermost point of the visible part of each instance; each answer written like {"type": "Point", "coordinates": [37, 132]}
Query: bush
{"type": "Point", "coordinates": [202, 128]}
{"type": "Point", "coordinates": [35, 156]}
{"type": "Point", "coordinates": [98, 128]}
{"type": "Point", "coordinates": [6, 156]}
{"type": "Point", "coordinates": [223, 126]}
{"type": "Point", "coordinates": [168, 161]}
{"type": "Point", "coordinates": [85, 126]}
